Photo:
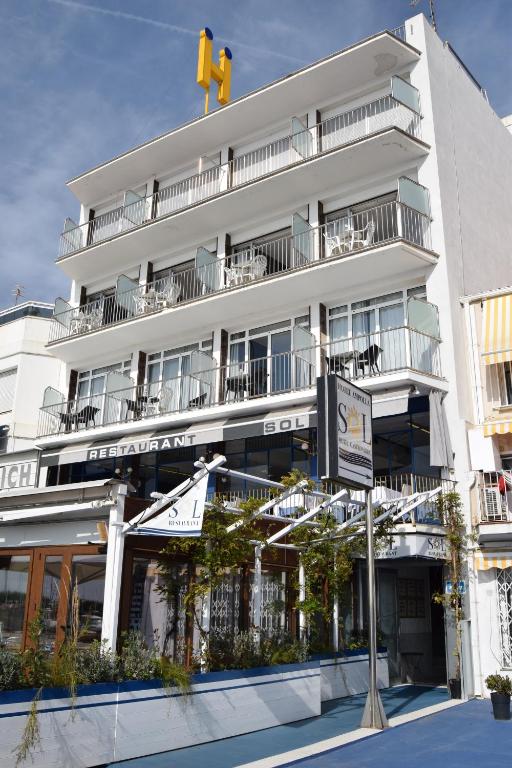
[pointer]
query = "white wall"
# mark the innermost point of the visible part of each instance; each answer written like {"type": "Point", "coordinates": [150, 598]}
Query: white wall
{"type": "Point", "coordinates": [22, 346]}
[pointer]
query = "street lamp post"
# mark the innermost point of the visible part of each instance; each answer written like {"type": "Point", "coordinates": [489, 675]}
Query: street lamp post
{"type": "Point", "coordinates": [373, 715]}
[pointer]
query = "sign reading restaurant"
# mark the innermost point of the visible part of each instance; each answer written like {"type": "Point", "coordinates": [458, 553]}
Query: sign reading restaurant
{"type": "Point", "coordinates": [181, 440]}
{"type": "Point", "coordinates": [344, 432]}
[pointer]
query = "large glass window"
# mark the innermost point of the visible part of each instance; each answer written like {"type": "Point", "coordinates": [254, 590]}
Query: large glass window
{"type": "Point", "coordinates": [50, 596]}
{"type": "Point", "coordinates": [160, 621]}
{"type": "Point", "coordinates": [88, 575]}
{"type": "Point", "coordinates": [14, 578]}
{"type": "Point", "coordinates": [369, 336]}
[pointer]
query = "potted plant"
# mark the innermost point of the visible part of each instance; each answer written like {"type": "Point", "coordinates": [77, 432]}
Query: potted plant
{"type": "Point", "coordinates": [501, 689]}
{"type": "Point", "coordinates": [451, 514]}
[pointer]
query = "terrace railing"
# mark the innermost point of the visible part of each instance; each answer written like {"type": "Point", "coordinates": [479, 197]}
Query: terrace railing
{"type": "Point", "coordinates": [300, 145]}
{"type": "Point", "coordinates": [259, 261]}
{"type": "Point", "coordinates": [235, 382]}
{"type": "Point", "coordinates": [294, 371]}
{"type": "Point", "coordinates": [383, 352]}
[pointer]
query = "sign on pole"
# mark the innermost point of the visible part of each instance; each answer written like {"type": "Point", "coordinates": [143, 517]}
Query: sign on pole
{"type": "Point", "coordinates": [344, 432]}
{"type": "Point", "coordinates": [182, 518]}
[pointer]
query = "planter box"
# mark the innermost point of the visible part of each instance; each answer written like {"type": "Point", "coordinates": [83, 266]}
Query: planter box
{"type": "Point", "coordinates": [347, 675]}
{"type": "Point", "coordinates": [120, 721]}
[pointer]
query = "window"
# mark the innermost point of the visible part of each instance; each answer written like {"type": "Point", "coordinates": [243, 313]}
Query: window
{"type": "Point", "coordinates": [88, 573]}
{"type": "Point", "coordinates": [93, 382]}
{"type": "Point", "coordinates": [14, 578]}
{"type": "Point", "coordinates": [371, 329]}
{"type": "Point", "coordinates": [504, 581]}
{"type": "Point", "coordinates": [411, 598]}
{"type": "Point", "coordinates": [7, 387]}
{"type": "Point", "coordinates": [503, 377]}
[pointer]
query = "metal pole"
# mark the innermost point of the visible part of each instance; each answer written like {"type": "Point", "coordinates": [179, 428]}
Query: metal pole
{"type": "Point", "coordinates": [373, 715]}
{"type": "Point", "coordinates": [257, 593]}
{"type": "Point", "coordinates": [302, 597]}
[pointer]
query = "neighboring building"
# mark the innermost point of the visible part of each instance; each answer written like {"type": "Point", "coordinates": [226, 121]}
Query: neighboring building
{"type": "Point", "coordinates": [489, 335]}
{"type": "Point", "coordinates": [26, 368]}
{"type": "Point", "coordinates": [507, 122]}
{"type": "Point", "coordinates": [326, 222]}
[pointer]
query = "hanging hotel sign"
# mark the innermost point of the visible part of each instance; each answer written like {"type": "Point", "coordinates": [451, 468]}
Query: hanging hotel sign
{"type": "Point", "coordinates": [344, 432]}
{"type": "Point", "coordinates": [184, 517]}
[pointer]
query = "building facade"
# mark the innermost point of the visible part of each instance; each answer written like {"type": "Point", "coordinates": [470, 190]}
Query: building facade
{"type": "Point", "coordinates": [327, 222]}
{"type": "Point", "coordinates": [489, 432]}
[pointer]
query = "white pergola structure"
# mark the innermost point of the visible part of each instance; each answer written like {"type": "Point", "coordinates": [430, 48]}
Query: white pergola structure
{"type": "Point", "coordinates": [358, 515]}
{"type": "Point", "coordinates": [277, 509]}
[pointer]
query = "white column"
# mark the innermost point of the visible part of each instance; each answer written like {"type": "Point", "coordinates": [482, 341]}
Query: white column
{"type": "Point", "coordinates": [224, 180]}
{"type": "Point", "coordinates": [114, 570]}
{"type": "Point", "coordinates": [314, 314]}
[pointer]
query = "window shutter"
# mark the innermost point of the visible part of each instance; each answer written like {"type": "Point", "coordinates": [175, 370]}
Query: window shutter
{"type": "Point", "coordinates": [7, 385]}
{"type": "Point", "coordinates": [73, 383]}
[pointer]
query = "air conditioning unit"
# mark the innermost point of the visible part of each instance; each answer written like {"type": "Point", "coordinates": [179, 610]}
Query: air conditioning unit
{"type": "Point", "coordinates": [494, 505]}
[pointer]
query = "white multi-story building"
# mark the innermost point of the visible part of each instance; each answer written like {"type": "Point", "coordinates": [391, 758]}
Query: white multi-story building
{"type": "Point", "coordinates": [326, 222]}
{"type": "Point", "coordinates": [489, 341]}
{"type": "Point", "coordinates": [26, 368]}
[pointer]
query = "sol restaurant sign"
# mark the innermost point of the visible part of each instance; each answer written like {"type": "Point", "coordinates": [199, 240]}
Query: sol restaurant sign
{"type": "Point", "coordinates": [344, 432]}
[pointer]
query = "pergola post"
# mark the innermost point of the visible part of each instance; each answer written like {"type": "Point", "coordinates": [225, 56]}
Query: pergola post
{"type": "Point", "coordinates": [302, 597]}
{"type": "Point", "coordinates": [256, 594]}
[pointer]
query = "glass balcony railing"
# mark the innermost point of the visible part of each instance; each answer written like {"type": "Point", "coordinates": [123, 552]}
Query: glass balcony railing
{"type": "Point", "coordinates": [301, 145]}
{"type": "Point", "coordinates": [342, 237]}
{"type": "Point", "coordinates": [356, 358]}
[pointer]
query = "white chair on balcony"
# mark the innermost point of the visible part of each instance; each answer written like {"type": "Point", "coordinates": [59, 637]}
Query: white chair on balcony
{"type": "Point", "coordinates": [363, 238]}
{"type": "Point", "coordinates": [167, 295]}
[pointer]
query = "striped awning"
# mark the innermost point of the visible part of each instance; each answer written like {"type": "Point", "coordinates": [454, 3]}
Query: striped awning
{"type": "Point", "coordinates": [497, 428]}
{"type": "Point", "coordinates": [484, 561]}
{"type": "Point", "coordinates": [497, 329]}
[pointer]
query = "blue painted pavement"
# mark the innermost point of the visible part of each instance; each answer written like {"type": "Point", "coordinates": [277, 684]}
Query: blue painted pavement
{"type": "Point", "coordinates": [338, 717]}
{"type": "Point", "coordinates": [462, 737]}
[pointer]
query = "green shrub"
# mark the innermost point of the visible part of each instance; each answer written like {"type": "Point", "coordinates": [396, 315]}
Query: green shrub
{"type": "Point", "coordinates": [96, 663]}
{"type": "Point", "coordinates": [137, 661]}
{"type": "Point", "coordinates": [11, 671]}
{"type": "Point", "coordinates": [499, 684]}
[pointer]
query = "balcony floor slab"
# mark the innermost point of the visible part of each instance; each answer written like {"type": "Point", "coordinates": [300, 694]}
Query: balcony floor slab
{"type": "Point", "coordinates": [287, 188]}
{"type": "Point", "coordinates": [330, 280]}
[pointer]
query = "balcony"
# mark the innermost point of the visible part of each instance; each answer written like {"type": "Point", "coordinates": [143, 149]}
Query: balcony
{"type": "Point", "coordinates": [495, 507]}
{"type": "Point", "coordinates": [377, 359]}
{"type": "Point", "coordinates": [298, 148]}
{"type": "Point", "coordinates": [343, 239]}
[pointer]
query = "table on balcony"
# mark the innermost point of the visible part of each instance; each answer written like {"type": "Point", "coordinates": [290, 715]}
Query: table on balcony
{"type": "Point", "coordinates": [86, 321]}
{"type": "Point", "coordinates": [144, 405]}
{"type": "Point", "coordinates": [238, 384]}
{"type": "Point", "coordinates": [248, 270]}
{"type": "Point", "coordinates": [341, 361]}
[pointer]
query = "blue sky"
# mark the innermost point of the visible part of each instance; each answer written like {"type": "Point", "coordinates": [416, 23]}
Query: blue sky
{"type": "Point", "coordinates": [83, 81]}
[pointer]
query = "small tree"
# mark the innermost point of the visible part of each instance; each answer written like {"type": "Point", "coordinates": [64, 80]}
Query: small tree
{"type": "Point", "coordinates": [449, 507]}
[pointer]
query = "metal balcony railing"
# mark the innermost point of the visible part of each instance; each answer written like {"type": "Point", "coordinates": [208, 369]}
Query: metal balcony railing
{"type": "Point", "coordinates": [356, 358]}
{"type": "Point", "coordinates": [304, 144]}
{"type": "Point", "coordinates": [259, 261]}
{"type": "Point", "coordinates": [495, 498]}
{"type": "Point", "coordinates": [235, 382]}
{"type": "Point", "coordinates": [383, 352]}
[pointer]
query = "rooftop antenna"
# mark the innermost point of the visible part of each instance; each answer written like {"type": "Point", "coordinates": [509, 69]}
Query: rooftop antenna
{"type": "Point", "coordinates": [18, 292]}
{"type": "Point", "coordinates": [414, 3]}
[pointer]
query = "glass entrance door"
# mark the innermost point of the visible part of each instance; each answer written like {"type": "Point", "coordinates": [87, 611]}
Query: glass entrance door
{"type": "Point", "coordinates": [14, 585]}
